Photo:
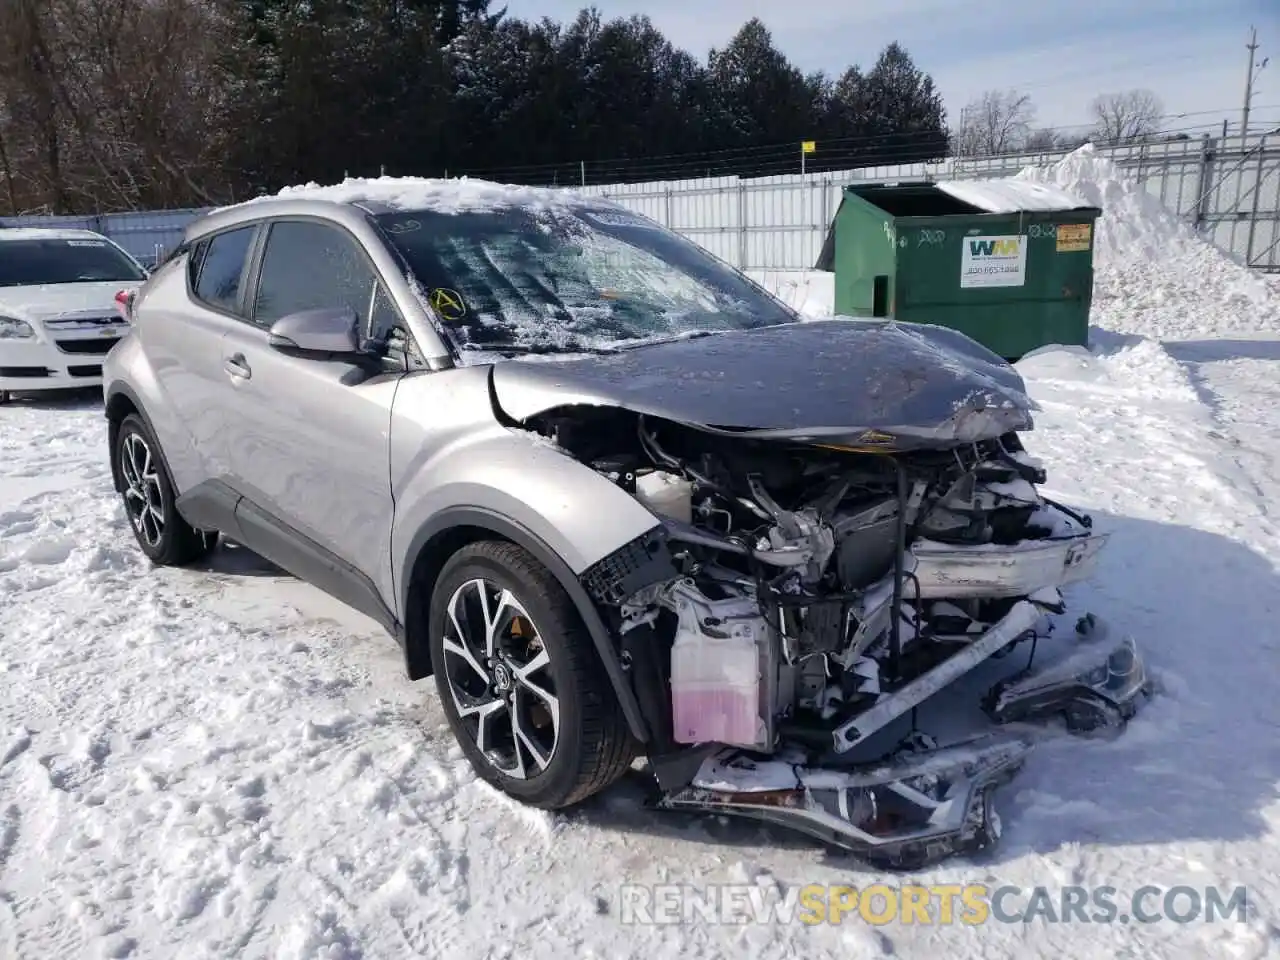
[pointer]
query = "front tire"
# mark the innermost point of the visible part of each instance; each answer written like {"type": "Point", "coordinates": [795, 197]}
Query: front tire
{"type": "Point", "coordinates": [520, 680]}
{"type": "Point", "coordinates": [149, 501]}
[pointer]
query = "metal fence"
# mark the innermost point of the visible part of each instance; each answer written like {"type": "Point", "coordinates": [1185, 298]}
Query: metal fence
{"type": "Point", "coordinates": [1228, 188]}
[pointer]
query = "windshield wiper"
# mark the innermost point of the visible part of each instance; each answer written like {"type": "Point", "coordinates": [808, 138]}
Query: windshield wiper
{"type": "Point", "coordinates": [685, 335]}
{"type": "Point", "coordinates": [523, 349]}
{"type": "Point", "coordinates": [527, 349]}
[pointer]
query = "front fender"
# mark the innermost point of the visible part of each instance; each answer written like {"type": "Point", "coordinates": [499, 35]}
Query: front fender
{"type": "Point", "coordinates": [578, 514]}
{"type": "Point", "coordinates": [485, 525]}
{"type": "Point", "coordinates": [486, 480]}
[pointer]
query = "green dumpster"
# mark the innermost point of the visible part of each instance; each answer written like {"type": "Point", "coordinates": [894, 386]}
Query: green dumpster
{"type": "Point", "coordinates": [1007, 262]}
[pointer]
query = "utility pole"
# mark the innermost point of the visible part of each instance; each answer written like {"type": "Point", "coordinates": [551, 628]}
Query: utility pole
{"type": "Point", "coordinates": [1250, 76]}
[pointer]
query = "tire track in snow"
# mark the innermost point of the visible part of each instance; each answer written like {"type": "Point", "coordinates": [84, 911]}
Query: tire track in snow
{"type": "Point", "coordinates": [1238, 380]}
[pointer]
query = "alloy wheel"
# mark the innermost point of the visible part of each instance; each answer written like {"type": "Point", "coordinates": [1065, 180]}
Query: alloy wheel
{"type": "Point", "coordinates": [497, 671]}
{"type": "Point", "coordinates": [143, 498]}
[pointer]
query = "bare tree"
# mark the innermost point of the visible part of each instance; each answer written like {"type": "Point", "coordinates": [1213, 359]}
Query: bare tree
{"type": "Point", "coordinates": [34, 140]}
{"type": "Point", "coordinates": [1132, 115]}
{"type": "Point", "coordinates": [1043, 141]}
{"type": "Point", "coordinates": [6, 162]}
{"type": "Point", "coordinates": [997, 122]}
{"type": "Point", "coordinates": [109, 104]}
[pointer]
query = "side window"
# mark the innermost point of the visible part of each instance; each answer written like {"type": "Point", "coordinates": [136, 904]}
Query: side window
{"type": "Point", "coordinates": [310, 266]}
{"type": "Point", "coordinates": [195, 260]}
{"type": "Point", "coordinates": [220, 262]}
{"type": "Point", "coordinates": [383, 315]}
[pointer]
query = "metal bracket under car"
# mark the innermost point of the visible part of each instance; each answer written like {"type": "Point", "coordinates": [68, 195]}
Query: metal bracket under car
{"type": "Point", "coordinates": [1017, 623]}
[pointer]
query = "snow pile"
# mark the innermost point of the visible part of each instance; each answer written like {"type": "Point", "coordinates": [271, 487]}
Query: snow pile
{"type": "Point", "coordinates": [1163, 379]}
{"type": "Point", "coordinates": [811, 293]}
{"type": "Point", "coordinates": [1155, 276]}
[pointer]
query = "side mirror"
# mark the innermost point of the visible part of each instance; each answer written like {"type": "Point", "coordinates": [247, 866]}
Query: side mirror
{"type": "Point", "coordinates": [326, 330]}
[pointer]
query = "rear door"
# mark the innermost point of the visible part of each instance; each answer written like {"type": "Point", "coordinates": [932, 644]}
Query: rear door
{"type": "Point", "coordinates": [184, 343]}
{"type": "Point", "coordinates": [309, 444]}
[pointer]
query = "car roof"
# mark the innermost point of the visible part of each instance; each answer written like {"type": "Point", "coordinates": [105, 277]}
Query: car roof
{"type": "Point", "coordinates": [356, 198]}
{"type": "Point", "coordinates": [47, 233]}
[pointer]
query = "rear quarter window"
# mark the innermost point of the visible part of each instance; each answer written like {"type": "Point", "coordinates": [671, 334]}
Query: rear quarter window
{"type": "Point", "coordinates": [218, 268]}
{"type": "Point", "coordinates": [195, 260]}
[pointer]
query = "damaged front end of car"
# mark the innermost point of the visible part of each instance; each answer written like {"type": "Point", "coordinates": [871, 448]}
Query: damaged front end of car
{"type": "Point", "coordinates": [806, 591]}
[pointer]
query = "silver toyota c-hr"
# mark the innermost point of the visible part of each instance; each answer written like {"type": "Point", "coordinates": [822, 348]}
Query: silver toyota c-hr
{"type": "Point", "coordinates": [617, 499]}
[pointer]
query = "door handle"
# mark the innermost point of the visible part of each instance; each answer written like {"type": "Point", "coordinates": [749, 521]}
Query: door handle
{"type": "Point", "coordinates": [237, 366]}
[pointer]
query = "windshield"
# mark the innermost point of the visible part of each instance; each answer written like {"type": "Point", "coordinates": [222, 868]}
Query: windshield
{"type": "Point", "coordinates": [75, 260]}
{"type": "Point", "coordinates": [576, 278]}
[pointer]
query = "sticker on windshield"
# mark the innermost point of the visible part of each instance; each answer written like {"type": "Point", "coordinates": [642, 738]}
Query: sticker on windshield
{"type": "Point", "coordinates": [404, 226]}
{"type": "Point", "coordinates": [86, 243]}
{"type": "Point", "coordinates": [448, 303]}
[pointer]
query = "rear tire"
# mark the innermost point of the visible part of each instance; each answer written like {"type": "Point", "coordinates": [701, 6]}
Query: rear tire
{"type": "Point", "coordinates": [149, 501]}
{"type": "Point", "coordinates": [520, 680]}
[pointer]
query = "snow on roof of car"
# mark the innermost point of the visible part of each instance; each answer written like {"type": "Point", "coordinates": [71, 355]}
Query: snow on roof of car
{"type": "Point", "coordinates": [47, 233]}
{"type": "Point", "coordinates": [1009, 195]}
{"type": "Point", "coordinates": [456, 195]}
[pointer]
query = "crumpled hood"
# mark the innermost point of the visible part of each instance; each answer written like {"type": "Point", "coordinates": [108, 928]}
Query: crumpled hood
{"type": "Point", "coordinates": [865, 382]}
{"type": "Point", "coordinates": [63, 300]}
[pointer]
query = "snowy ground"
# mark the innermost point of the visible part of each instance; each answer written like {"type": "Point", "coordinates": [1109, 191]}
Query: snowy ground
{"type": "Point", "coordinates": [225, 763]}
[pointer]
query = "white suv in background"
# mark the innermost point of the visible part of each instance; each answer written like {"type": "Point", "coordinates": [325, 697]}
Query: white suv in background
{"type": "Point", "coordinates": [58, 313]}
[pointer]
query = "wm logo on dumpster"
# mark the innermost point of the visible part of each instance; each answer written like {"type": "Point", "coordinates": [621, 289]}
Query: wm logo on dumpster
{"type": "Point", "coordinates": [994, 261]}
{"type": "Point", "coordinates": [1000, 247]}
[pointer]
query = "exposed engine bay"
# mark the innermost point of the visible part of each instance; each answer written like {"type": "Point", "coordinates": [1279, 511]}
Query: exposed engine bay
{"type": "Point", "coordinates": [802, 596]}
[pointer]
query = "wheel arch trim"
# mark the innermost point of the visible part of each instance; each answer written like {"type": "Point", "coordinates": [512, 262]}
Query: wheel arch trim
{"type": "Point", "coordinates": [119, 389]}
{"type": "Point", "coordinates": [488, 521]}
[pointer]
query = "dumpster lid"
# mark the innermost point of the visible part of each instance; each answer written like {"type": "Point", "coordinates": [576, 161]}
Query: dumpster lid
{"type": "Point", "coordinates": [1011, 195]}
{"type": "Point", "coordinates": [934, 198]}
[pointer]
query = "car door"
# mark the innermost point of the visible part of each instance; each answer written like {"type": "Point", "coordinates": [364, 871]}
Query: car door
{"type": "Point", "coordinates": [309, 445]}
{"type": "Point", "coordinates": [185, 348]}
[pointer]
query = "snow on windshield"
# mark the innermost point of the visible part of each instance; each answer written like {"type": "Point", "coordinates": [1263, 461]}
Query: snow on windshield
{"type": "Point", "coordinates": [574, 278]}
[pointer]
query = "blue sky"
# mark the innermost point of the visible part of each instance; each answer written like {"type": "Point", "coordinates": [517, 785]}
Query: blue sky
{"type": "Point", "coordinates": [1061, 52]}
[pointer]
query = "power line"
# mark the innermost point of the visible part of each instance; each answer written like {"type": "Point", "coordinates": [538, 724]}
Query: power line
{"type": "Point", "coordinates": [1109, 71]}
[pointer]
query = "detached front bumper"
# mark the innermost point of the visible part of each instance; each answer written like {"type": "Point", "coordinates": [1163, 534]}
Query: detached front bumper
{"type": "Point", "coordinates": [905, 814]}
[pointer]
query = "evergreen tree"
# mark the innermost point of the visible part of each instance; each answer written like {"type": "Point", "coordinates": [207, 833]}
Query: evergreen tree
{"type": "Point", "coordinates": [287, 91]}
{"type": "Point", "coordinates": [759, 97]}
